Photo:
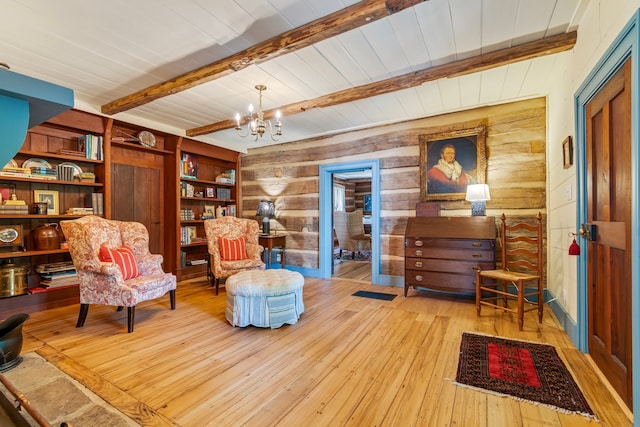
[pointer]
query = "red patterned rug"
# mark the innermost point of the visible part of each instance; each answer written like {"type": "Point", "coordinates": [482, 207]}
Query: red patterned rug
{"type": "Point", "coordinates": [523, 370]}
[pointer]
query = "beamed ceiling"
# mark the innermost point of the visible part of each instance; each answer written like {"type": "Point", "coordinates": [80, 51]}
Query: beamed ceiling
{"type": "Point", "coordinates": [187, 66]}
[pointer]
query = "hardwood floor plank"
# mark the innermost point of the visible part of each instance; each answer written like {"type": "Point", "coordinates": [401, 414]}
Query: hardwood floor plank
{"type": "Point", "coordinates": [348, 361]}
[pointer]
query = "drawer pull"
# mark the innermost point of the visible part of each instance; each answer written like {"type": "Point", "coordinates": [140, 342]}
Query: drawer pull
{"type": "Point", "coordinates": [418, 253]}
{"type": "Point", "coordinates": [419, 243]}
{"type": "Point", "coordinates": [418, 264]}
{"type": "Point", "coordinates": [476, 268]}
{"type": "Point", "coordinates": [476, 244]}
{"type": "Point", "coordinates": [477, 255]}
{"type": "Point", "coordinates": [419, 278]}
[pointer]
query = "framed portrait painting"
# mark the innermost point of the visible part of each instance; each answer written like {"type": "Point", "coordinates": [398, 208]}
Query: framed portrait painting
{"type": "Point", "coordinates": [451, 160]}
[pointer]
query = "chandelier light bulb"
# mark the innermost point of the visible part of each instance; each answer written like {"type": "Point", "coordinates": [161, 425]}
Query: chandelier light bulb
{"type": "Point", "coordinates": [255, 122]}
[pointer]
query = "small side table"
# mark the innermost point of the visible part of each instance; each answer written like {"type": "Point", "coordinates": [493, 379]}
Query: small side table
{"type": "Point", "coordinates": [273, 241]}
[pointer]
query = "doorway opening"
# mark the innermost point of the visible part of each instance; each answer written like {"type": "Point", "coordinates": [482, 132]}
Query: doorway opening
{"type": "Point", "coordinates": [352, 225]}
{"type": "Point", "coordinates": [369, 170]}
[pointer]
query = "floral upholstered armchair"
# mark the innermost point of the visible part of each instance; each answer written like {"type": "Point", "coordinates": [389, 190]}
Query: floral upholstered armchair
{"type": "Point", "coordinates": [114, 265]}
{"type": "Point", "coordinates": [233, 246]}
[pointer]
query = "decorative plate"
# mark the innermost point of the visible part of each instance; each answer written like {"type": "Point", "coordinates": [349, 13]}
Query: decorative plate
{"type": "Point", "coordinates": [77, 170]}
{"type": "Point", "coordinates": [36, 163]}
{"type": "Point", "coordinates": [147, 139]}
{"type": "Point", "coordinates": [12, 164]}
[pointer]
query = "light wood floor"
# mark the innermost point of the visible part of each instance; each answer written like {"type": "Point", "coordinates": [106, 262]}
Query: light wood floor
{"type": "Point", "coordinates": [348, 361]}
{"type": "Point", "coordinates": [358, 270]}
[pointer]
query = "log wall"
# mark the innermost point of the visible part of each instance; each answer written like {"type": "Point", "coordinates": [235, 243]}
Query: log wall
{"type": "Point", "coordinates": [288, 174]}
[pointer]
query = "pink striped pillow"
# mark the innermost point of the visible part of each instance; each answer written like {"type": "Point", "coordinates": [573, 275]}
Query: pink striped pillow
{"type": "Point", "coordinates": [232, 249]}
{"type": "Point", "coordinates": [123, 258]}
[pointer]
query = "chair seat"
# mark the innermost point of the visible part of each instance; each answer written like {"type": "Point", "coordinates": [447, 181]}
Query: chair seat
{"type": "Point", "coordinates": [241, 264]}
{"type": "Point", "coordinates": [508, 275]}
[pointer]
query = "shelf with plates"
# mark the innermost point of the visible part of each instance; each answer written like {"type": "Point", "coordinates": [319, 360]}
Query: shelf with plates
{"type": "Point", "coordinates": [49, 176]}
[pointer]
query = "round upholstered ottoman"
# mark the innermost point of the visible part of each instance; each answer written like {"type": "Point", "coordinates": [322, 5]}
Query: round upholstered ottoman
{"type": "Point", "coordinates": [264, 298]}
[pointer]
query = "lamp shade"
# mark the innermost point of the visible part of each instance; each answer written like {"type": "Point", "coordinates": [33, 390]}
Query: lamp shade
{"type": "Point", "coordinates": [266, 208]}
{"type": "Point", "coordinates": [478, 193]}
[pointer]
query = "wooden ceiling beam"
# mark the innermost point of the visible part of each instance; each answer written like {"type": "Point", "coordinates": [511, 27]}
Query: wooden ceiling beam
{"type": "Point", "coordinates": [344, 20]}
{"type": "Point", "coordinates": [547, 46]}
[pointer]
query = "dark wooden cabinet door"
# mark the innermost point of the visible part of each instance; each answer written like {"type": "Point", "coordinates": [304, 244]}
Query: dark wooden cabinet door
{"type": "Point", "coordinates": [136, 196]}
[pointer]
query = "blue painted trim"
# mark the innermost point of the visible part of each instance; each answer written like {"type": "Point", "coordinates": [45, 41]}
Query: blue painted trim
{"type": "Point", "coordinates": [569, 326]}
{"type": "Point", "coordinates": [326, 214]}
{"type": "Point", "coordinates": [306, 272]}
{"type": "Point", "coordinates": [624, 46]}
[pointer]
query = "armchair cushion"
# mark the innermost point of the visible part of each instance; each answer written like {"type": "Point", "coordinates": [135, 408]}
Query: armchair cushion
{"type": "Point", "coordinates": [123, 257]}
{"type": "Point", "coordinates": [232, 249]}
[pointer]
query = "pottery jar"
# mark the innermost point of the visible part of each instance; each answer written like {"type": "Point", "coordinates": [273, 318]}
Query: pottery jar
{"type": "Point", "coordinates": [46, 238]}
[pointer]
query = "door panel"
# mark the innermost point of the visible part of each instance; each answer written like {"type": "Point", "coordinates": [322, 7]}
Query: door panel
{"type": "Point", "coordinates": [609, 208]}
{"type": "Point", "coordinates": [136, 197]}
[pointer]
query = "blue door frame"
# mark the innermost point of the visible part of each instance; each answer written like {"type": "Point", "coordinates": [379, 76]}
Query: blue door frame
{"type": "Point", "coordinates": [326, 214]}
{"type": "Point", "coordinates": [625, 45]}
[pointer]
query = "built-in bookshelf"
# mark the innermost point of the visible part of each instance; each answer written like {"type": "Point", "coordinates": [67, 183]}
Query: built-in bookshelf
{"type": "Point", "coordinates": [207, 186]}
{"type": "Point", "coordinates": [50, 179]}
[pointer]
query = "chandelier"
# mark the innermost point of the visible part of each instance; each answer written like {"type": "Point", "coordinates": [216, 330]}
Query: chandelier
{"type": "Point", "coordinates": [256, 124]}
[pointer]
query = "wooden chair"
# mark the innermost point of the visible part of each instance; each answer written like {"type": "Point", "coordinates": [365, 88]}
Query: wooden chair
{"type": "Point", "coordinates": [521, 264]}
{"type": "Point", "coordinates": [349, 228]}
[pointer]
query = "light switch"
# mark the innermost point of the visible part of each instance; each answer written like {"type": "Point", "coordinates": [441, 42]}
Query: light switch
{"type": "Point", "coordinates": [569, 192]}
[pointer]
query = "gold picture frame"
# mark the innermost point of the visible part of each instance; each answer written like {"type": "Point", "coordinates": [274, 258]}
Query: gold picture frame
{"type": "Point", "coordinates": [567, 152]}
{"type": "Point", "coordinates": [464, 161]}
{"type": "Point", "coordinates": [49, 196]}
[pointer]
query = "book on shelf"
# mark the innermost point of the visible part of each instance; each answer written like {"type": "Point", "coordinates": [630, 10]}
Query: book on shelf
{"type": "Point", "coordinates": [223, 193]}
{"type": "Point", "coordinates": [75, 153]}
{"type": "Point", "coordinates": [227, 177]}
{"type": "Point", "coordinates": [196, 261]}
{"type": "Point", "coordinates": [79, 211]}
{"type": "Point", "coordinates": [14, 209]}
{"type": "Point", "coordinates": [91, 146]}
{"type": "Point", "coordinates": [54, 267]}
{"type": "Point", "coordinates": [95, 201]}
{"type": "Point", "coordinates": [188, 234]}
{"type": "Point", "coordinates": [230, 210]}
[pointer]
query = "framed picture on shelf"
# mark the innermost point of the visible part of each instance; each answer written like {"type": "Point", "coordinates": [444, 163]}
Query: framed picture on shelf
{"type": "Point", "coordinates": [50, 197]}
{"type": "Point", "coordinates": [210, 192]}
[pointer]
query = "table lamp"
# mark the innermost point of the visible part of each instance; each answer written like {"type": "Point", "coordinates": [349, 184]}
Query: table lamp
{"type": "Point", "coordinates": [266, 209]}
{"type": "Point", "coordinates": [478, 194]}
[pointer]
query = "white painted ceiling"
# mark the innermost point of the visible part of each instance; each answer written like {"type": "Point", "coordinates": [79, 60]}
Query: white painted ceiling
{"type": "Point", "coordinates": [105, 50]}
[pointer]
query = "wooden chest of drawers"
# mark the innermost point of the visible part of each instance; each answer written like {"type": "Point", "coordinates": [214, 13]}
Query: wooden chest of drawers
{"type": "Point", "coordinates": [443, 253]}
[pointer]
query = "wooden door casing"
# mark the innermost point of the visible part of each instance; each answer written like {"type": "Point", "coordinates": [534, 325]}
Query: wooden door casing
{"type": "Point", "coordinates": [609, 208]}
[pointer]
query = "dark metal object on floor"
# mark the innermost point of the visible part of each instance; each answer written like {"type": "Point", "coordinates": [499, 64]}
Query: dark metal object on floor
{"type": "Point", "coordinates": [11, 341]}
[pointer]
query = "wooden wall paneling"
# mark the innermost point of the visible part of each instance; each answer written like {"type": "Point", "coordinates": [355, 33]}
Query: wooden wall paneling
{"type": "Point", "coordinates": [516, 168]}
